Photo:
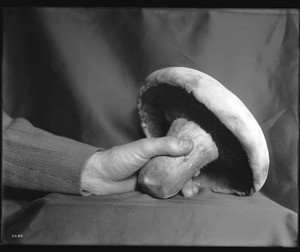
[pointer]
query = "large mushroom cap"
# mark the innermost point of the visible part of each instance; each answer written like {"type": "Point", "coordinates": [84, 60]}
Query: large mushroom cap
{"type": "Point", "coordinates": [170, 93]}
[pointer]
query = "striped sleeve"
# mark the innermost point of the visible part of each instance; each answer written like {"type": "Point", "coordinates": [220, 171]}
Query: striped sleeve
{"type": "Point", "coordinates": [38, 160]}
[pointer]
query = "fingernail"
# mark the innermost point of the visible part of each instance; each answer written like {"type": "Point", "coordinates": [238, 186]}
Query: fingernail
{"type": "Point", "coordinates": [197, 183]}
{"type": "Point", "coordinates": [186, 144]}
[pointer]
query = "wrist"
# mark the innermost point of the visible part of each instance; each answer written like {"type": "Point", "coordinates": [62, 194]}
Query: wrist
{"type": "Point", "coordinates": [91, 178]}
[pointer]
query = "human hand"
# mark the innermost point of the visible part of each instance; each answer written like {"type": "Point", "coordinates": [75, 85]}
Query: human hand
{"type": "Point", "coordinates": [115, 170]}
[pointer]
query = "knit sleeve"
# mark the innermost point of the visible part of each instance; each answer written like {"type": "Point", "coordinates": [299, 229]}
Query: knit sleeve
{"type": "Point", "coordinates": [38, 160]}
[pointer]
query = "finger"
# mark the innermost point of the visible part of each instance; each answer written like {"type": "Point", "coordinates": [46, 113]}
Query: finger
{"type": "Point", "coordinates": [122, 186]}
{"type": "Point", "coordinates": [172, 146]}
{"type": "Point", "coordinates": [190, 189]}
{"type": "Point", "coordinates": [197, 173]}
{"type": "Point", "coordinates": [103, 187]}
{"type": "Point", "coordinates": [187, 190]}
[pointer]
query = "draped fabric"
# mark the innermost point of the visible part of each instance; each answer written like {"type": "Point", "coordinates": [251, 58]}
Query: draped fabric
{"type": "Point", "coordinates": [76, 72]}
{"type": "Point", "coordinates": [134, 218]}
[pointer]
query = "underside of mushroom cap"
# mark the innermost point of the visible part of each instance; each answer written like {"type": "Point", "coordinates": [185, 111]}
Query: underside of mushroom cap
{"type": "Point", "coordinates": [174, 92]}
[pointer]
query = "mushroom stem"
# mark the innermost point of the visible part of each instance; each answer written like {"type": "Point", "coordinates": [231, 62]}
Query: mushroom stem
{"type": "Point", "coordinates": [165, 176]}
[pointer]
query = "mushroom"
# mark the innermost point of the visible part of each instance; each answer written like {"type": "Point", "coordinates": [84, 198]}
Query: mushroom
{"type": "Point", "coordinates": [230, 152]}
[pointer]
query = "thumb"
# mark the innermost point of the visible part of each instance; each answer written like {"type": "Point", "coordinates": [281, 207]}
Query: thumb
{"type": "Point", "coordinates": [124, 160]}
{"type": "Point", "coordinates": [173, 146]}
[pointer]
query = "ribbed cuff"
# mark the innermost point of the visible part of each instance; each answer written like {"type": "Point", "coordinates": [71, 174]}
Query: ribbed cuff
{"type": "Point", "coordinates": [38, 160]}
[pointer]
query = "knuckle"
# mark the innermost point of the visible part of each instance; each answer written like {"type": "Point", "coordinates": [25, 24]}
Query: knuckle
{"type": "Point", "coordinates": [169, 143]}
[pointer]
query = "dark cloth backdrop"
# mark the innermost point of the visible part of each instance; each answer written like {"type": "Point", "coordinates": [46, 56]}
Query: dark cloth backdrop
{"type": "Point", "coordinates": [76, 72]}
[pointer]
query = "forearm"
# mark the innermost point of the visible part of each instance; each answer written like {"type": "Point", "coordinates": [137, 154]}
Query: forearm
{"type": "Point", "coordinates": [38, 160]}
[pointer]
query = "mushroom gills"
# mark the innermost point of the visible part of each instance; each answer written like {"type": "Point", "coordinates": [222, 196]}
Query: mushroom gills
{"type": "Point", "coordinates": [165, 176]}
{"type": "Point", "coordinates": [163, 104]}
